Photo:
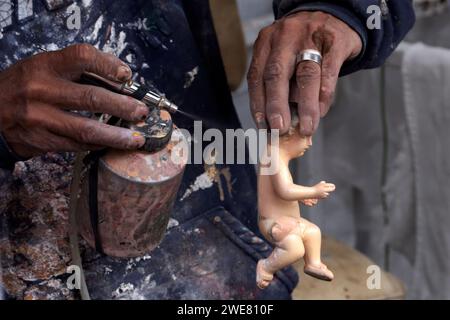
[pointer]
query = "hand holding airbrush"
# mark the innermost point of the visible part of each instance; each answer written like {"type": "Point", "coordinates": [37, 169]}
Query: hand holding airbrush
{"type": "Point", "coordinates": [158, 126]}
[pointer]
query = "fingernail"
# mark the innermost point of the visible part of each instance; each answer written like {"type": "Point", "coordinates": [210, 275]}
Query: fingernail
{"type": "Point", "coordinates": [323, 110]}
{"type": "Point", "coordinates": [260, 120]}
{"type": "Point", "coordinates": [124, 73]}
{"type": "Point", "coordinates": [138, 139]}
{"type": "Point", "coordinates": [276, 122]}
{"type": "Point", "coordinates": [141, 112]}
{"type": "Point", "coordinates": [306, 126]}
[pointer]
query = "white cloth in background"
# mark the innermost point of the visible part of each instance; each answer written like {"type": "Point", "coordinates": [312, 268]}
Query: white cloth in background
{"type": "Point", "coordinates": [348, 150]}
{"type": "Point", "coordinates": [427, 8]}
{"type": "Point", "coordinates": [426, 76]}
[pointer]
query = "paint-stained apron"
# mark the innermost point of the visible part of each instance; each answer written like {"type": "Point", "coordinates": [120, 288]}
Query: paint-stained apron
{"type": "Point", "coordinates": [210, 250]}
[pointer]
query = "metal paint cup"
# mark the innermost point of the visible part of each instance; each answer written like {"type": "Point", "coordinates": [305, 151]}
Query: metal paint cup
{"type": "Point", "coordinates": [136, 194]}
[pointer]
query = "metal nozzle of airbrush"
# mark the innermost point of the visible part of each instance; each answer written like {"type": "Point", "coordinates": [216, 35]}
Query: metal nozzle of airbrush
{"type": "Point", "coordinates": [167, 105]}
{"type": "Point", "coordinates": [148, 96]}
{"type": "Point", "coordinates": [135, 90]}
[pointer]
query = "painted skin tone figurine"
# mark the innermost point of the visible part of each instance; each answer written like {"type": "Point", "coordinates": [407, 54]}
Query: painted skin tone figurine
{"type": "Point", "coordinates": [279, 215]}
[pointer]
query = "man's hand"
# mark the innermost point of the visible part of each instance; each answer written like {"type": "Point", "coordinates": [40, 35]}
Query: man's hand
{"type": "Point", "coordinates": [274, 66]}
{"type": "Point", "coordinates": [323, 189]}
{"type": "Point", "coordinates": [36, 92]}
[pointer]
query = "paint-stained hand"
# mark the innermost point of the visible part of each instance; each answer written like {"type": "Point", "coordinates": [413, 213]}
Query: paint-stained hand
{"type": "Point", "coordinates": [274, 69]}
{"type": "Point", "coordinates": [37, 92]}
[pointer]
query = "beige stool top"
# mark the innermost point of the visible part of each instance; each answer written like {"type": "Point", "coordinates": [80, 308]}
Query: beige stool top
{"type": "Point", "coordinates": [350, 277]}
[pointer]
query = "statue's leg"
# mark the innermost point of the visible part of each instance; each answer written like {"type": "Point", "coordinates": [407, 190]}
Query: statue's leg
{"type": "Point", "coordinates": [312, 240]}
{"type": "Point", "coordinates": [289, 249]}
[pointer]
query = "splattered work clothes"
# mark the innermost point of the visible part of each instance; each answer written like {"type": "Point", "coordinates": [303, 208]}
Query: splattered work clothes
{"type": "Point", "coordinates": [210, 250]}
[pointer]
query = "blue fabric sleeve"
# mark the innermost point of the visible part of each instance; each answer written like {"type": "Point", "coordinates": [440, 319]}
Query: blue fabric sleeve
{"type": "Point", "coordinates": [397, 19]}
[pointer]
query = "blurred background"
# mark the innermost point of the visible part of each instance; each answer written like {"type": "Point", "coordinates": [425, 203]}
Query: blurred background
{"type": "Point", "coordinates": [385, 145]}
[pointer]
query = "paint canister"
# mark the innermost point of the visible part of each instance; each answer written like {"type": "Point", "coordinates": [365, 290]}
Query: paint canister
{"type": "Point", "coordinates": [135, 196]}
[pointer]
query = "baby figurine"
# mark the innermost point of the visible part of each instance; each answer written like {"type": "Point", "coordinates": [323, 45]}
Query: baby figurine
{"type": "Point", "coordinates": [279, 217]}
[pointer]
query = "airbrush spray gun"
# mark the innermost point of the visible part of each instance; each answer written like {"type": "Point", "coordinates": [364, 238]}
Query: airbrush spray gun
{"type": "Point", "coordinates": [125, 204]}
{"type": "Point", "coordinates": [157, 127]}
{"type": "Point", "coordinates": [133, 89]}
{"type": "Point", "coordinates": [157, 130]}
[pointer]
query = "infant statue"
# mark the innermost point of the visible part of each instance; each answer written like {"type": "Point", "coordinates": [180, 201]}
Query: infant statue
{"type": "Point", "coordinates": [279, 216]}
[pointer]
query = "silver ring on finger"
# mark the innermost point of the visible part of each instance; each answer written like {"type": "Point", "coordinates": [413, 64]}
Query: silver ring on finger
{"type": "Point", "coordinates": [310, 55]}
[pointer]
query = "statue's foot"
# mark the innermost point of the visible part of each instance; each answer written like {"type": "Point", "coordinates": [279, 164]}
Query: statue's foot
{"type": "Point", "coordinates": [320, 272]}
{"type": "Point", "coordinates": [263, 277]}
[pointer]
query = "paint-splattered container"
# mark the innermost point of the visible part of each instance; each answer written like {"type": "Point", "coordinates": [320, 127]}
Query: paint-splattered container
{"type": "Point", "coordinates": [136, 194]}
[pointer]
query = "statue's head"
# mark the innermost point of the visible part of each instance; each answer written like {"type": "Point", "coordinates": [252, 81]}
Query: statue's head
{"type": "Point", "coordinates": [292, 142]}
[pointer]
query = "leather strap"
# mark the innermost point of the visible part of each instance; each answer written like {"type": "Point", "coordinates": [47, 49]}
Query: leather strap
{"type": "Point", "coordinates": [92, 162]}
{"type": "Point", "coordinates": [73, 227]}
{"type": "Point", "coordinates": [93, 204]}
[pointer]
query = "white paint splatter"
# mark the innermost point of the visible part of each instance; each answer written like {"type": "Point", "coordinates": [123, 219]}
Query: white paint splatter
{"type": "Point", "coordinates": [8, 63]}
{"type": "Point", "coordinates": [143, 258]}
{"type": "Point", "coordinates": [131, 264]}
{"type": "Point", "coordinates": [87, 3]}
{"type": "Point", "coordinates": [129, 58]}
{"type": "Point", "coordinates": [140, 24]}
{"type": "Point", "coordinates": [121, 44]}
{"type": "Point", "coordinates": [97, 26]}
{"type": "Point", "coordinates": [127, 291]}
{"type": "Point", "coordinates": [172, 224]}
{"type": "Point", "coordinates": [123, 289]}
{"type": "Point", "coordinates": [24, 9]}
{"type": "Point", "coordinates": [116, 44]}
{"type": "Point", "coordinates": [202, 182]}
{"type": "Point", "coordinates": [196, 231]}
{"type": "Point", "coordinates": [190, 77]}
{"type": "Point", "coordinates": [107, 270]}
{"type": "Point", "coordinates": [51, 47]}
{"type": "Point", "coordinates": [148, 282]}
